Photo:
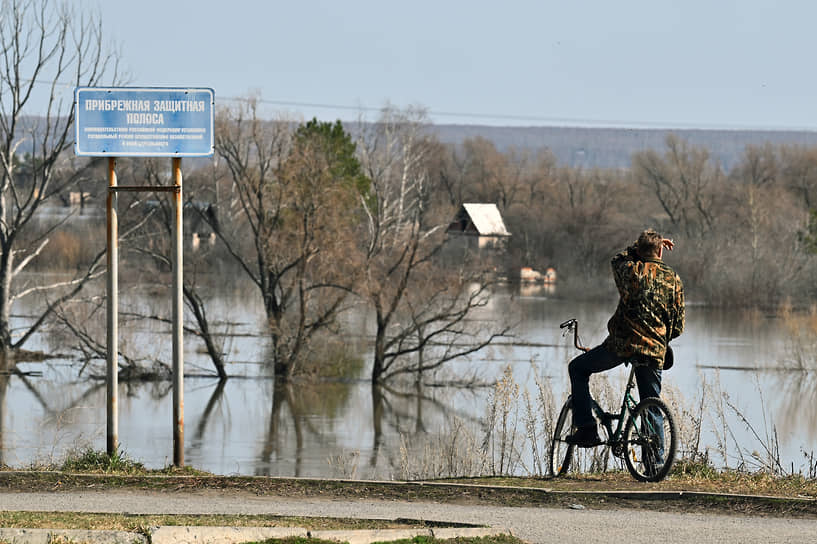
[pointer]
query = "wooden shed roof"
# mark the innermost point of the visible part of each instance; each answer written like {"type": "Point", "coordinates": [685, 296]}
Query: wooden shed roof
{"type": "Point", "coordinates": [485, 219]}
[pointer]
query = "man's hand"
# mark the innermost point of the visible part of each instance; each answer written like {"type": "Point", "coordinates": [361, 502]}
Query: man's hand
{"type": "Point", "coordinates": [666, 243]}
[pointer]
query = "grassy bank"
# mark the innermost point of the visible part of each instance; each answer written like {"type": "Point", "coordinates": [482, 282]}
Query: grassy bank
{"type": "Point", "coordinates": [686, 490]}
{"type": "Point", "coordinates": [138, 523]}
{"type": "Point", "coordinates": [82, 467]}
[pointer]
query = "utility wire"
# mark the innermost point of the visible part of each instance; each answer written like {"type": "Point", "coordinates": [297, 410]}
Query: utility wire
{"type": "Point", "coordinates": [552, 121]}
{"type": "Point", "coordinates": [582, 122]}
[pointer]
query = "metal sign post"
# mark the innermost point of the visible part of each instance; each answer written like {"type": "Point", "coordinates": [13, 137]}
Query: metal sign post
{"type": "Point", "coordinates": [113, 312]}
{"type": "Point", "coordinates": [144, 122]}
{"type": "Point", "coordinates": [178, 309]}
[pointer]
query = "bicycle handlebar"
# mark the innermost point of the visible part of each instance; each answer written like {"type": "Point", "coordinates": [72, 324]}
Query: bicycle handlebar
{"type": "Point", "coordinates": [572, 324]}
{"type": "Point", "coordinates": [569, 323]}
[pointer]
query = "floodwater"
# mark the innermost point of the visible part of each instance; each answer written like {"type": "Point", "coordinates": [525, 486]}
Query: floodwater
{"type": "Point", "coordinates": [248, 425]}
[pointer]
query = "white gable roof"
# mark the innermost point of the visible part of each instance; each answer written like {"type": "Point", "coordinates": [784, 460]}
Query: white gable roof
{"type": "Point", "coordinates": [486, 219]}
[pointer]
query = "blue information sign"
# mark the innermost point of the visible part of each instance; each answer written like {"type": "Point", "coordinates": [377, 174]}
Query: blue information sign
{"type": "Point", "coordinates": [144, 122]}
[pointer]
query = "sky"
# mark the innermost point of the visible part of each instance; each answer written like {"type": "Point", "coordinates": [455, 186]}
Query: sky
{"type": "Point", "coordinates": [641, 63]}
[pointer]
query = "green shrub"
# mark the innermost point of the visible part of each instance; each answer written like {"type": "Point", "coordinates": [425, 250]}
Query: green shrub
{"type": "Point", "coordinates": [90, 460]}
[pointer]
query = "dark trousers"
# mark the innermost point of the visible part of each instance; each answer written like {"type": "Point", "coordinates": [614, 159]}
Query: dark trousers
{"type": "Point", "coordinates": [599, 359]}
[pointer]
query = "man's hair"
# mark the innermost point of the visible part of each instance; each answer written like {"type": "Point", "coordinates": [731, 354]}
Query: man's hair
{"type": "Point", "coordinates": [649, 243]}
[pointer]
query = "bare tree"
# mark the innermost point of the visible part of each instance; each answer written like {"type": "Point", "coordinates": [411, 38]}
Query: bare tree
{"type": "Point", "coordinates": [81, 326]}
{"type": "Point", "coordinates": [160, 234]}
{"type": "Point", "coordinates": [291, 226]}
{"type": "Point", "coordinates": [477, 171]}
{"type": "Point", "coordinates": [759, 228]}
{"type": "Point", "coordinates": [44, 47]}
{"type": "Point", "coordinates": [418, 304]}
{"type": "Point", "coordinates": [451, 172]}
{"type": "Point", "coordinates": [580, 220]}
{"type": "Point", "coordinates": [755, 178]}
{"type": "Point", "coordinates": [799, 173]}
{"type": "Point", "coordinates": [758, 167]}
{"type": "Point", "coordinates": [683, 181]}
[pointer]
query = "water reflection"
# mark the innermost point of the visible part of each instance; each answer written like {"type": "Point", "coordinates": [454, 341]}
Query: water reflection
{"type": "Point", "coordinates": [198, 442]}
{"type": "Point", "coordinates": [276, 438]}
{"type": "Point", "coordinates": [378, 402]}
{"type": "Point", "coordinates": [299, 416]}
{"type": "Point", "coordinates": [400, 412]}
{"type": "Point", "coordinates": [251, 425]}
{"type": "Point", "coordinates": [797, 393]}
{"type": "Point", "coordinates": [9, 370]}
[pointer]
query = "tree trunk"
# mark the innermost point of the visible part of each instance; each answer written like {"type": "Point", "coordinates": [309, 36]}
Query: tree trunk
{"type": "Point", "coordinates": [282, 371]}
{"type": "Point", "coordinates": [377, 423]}
{"type": "Point", "coordinates": [216, 356]}
{"type": "Point", "coordinates": [5, 302]}
{"type": "Point", "coordinates": [280, 363]}
{"type": "Point", "coordinates": [281, 360]}
{"type": "Point", "coordinates": [378, 367]}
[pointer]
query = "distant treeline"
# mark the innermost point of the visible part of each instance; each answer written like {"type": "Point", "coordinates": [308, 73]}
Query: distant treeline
{"type": "Point", "coordinates": [599, 147]}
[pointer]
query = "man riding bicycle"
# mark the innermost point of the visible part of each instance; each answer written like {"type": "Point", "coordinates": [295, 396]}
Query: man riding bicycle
{"type": "Point", "coordinates": [650, 313]}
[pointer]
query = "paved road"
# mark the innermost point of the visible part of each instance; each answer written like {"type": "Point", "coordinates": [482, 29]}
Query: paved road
{"type": "Point", "coordinates": [535, 525]}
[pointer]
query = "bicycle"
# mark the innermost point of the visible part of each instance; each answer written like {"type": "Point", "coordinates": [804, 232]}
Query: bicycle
{"type": "Point", "coordinates": [645, 434]}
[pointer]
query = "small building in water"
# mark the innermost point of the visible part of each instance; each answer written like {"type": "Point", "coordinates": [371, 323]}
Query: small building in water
{"type": "Point", "coordinates": [481, 227]}
{"type": "Point", "coordinates": [477, 237]}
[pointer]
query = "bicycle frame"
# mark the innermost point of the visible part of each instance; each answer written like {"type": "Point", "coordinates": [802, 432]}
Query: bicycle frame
{"type": "Point", "coordinates": [628, 403]}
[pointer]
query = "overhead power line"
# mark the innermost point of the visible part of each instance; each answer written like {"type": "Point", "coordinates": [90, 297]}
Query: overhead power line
{"type": "Point", "coordinates": [558, 121]}
{"type": "Point", "coordinates": [552, 121]}
{"type": "Point", "coordinates": [467, 115]}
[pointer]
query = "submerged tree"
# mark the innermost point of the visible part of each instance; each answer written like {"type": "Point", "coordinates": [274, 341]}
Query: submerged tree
{"type": "Point", "coordinates": [159, 229]}
{"type": "Point", "coordinates": [291, 228]}
{"type": "Point", "coordinates": [422, 309]}
{"type": "Point", "coordinates": [44, 47]}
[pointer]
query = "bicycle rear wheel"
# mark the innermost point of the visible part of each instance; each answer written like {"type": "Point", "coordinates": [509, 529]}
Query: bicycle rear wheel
{"type": "Point", "coordinates": [561, 453]}
{"type": "Point", "coordinates": [650, 438]}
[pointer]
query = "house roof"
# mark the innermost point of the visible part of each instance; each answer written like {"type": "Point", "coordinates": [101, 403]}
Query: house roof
{"type": "Point", "coordinates": [486, 219]}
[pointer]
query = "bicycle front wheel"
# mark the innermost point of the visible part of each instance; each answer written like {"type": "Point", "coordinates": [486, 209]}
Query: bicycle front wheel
{"type": "Point", "coordinates": [561, 452]}
{"type": "Point", "coordinates": [650, 438]}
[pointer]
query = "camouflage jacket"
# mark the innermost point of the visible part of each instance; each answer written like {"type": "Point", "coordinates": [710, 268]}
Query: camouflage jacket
{"type": "Point", "coordinates": [650, 310]}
